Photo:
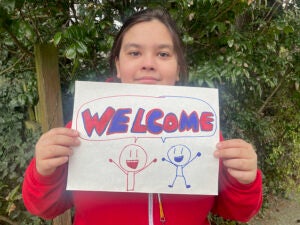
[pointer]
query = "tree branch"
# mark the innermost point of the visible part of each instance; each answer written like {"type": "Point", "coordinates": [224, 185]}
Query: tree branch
{"type": "Point", "coordinates": [12, 66]}
{"type": "Point", "coordinates": [31, 21]}
{"type": "Point", "coordinates": [262, 108]}
{"type": "Point", "coordinates": [2, 218]}
{"type": "Point", "coordinates": [18, 43]}
{"type": "Point", "coordinates": [283, 79]}
{"type": "Point", "coordinates": [233, 3]}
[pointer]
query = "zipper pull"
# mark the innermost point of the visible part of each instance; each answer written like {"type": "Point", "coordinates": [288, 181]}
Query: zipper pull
{"type": "Point", "coordinates": [161, 210]}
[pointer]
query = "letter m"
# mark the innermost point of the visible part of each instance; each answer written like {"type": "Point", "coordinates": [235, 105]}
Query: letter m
{"type": "Point", "coordinates": [189, 122]}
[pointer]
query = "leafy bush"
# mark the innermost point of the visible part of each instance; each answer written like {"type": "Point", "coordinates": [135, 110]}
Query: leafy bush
{"type": "Point", "coordinates": [257, 73]}
{"type": "Point", "coordinates": [17, 140]}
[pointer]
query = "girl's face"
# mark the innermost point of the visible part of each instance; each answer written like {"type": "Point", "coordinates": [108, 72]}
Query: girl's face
{"type": "Point", "coordinates": [147, 55]}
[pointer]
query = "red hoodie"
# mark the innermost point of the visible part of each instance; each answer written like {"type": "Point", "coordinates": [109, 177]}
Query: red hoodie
{"type": "Point", "coordinates": [46, 196]}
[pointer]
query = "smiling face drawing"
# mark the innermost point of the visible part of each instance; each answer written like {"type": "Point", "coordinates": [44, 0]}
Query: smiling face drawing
{"type": "Point", "coordinates": [133, 158]}
{"type": "Point", "coordinates": [179, 155]}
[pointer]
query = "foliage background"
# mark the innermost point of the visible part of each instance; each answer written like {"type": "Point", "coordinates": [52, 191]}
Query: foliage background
{"type": "Point", "coordinates": [249, 50]}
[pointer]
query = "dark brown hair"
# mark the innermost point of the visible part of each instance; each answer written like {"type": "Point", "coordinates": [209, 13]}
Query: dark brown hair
{"type": "Point", "coordinates": [145, 16]}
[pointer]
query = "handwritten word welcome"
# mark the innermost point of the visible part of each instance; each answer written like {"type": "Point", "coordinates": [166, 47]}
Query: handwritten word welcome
{"type": "Point", "coordinates": [156, 121]}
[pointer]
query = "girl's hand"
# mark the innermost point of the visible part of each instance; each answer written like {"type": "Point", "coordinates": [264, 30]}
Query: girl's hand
{"type": "Point", "coordinates": [54, 148]}
{"type": "Point", "coordinates": [239, 158]}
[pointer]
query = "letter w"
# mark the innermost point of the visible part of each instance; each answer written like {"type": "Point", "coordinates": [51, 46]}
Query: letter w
{"type": "Point", "coordinates": [93, 122]}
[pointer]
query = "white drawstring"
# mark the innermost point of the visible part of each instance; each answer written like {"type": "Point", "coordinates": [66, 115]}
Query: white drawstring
{"type": "Point", "coordinates": [150, 209]}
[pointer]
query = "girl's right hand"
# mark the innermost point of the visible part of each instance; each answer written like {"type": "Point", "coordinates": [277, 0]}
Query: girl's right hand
{"type": "Point", "coordinates": [54, 148]}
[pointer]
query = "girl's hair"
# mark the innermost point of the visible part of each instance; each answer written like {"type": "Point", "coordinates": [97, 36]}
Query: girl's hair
{"type": "Point", "coordinates": [145, 16]}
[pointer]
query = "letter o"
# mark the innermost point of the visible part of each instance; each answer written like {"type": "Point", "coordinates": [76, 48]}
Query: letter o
{"type": "Point", "coordinates": [170, 123]}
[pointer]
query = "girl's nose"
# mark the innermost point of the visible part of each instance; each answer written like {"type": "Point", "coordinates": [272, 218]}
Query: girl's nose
{"type": "Point", "coordinates": [148, 62]}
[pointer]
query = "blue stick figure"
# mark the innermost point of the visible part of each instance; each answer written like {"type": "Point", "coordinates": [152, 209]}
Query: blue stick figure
{"type": "Point", "coordinates": [180, 157]}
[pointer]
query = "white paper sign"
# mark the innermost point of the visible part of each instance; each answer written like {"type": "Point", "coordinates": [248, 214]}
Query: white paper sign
{"type": "Point", "coordinates": [145, 138]}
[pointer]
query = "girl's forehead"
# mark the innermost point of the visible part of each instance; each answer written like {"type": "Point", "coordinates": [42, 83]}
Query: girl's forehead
{"type": "Point", "coordinates": [153, 30]}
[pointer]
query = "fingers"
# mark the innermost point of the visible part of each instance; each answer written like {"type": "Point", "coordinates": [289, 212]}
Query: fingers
{"type": "Point", "coordinates": [49, 166]}
{"type": "Point", "coordinates": [54, 151]}
{"type": "Point", "coordinates": [239, 158]}
{"type": "Point", "coordinates": [234, 148]}
{"type": "Point", "coordinates": [54, 148]}
{"type": "Point", "coordinates": [244, 177]}
{"type": "Point", "coordinates": [59, 136]}
{"type": "Point", "coordinates": [240, 164]}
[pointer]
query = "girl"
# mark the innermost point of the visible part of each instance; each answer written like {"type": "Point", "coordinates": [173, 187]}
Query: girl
{"type": "Point", "coordinates": [147, 50]}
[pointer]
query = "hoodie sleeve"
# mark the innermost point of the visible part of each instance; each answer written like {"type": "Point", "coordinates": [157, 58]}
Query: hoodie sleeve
{"type": "Point", "coordinates": [46, 196]}
{"type": "Point", "coordinates": [238, 201]}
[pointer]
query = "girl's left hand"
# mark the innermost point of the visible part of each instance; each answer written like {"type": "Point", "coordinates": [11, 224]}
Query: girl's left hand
{"type": "Point", "coordinates": [239, 158]}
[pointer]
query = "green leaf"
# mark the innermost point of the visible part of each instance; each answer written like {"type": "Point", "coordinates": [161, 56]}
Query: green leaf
{"type": "Point", "coordinates": [288, 29]}
{"type": "Point", "coordinates": [81, 47]}
{"type": "Point", "coordinates": [9, 5]}
{"type": "Point", "coordinates": [57, 38]}
{"type": "Point", "coordinates": [221, 27]}
{"type": "Point", "coordinates": [12, 195]}
{"type": "Point", "coordinates": [187, 39]}
{"type": "Point", "coordinates": [71, 52]}
{"type": "Point", "coordinates": [230, 43]}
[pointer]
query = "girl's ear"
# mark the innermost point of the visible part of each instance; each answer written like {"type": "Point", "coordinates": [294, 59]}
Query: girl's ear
{"type": "Point", "coordinates": [117, 64]}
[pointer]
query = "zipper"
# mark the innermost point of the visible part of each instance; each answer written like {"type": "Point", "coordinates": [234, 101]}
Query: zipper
{"type": "Point", "coordinates": [150, 209]}
{"type": "Point", "coordinates": [161, 210]}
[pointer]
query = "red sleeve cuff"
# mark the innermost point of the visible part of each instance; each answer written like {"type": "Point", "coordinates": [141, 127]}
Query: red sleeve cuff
{"type": "Point", "coordinates": [235, 183]}
{"type": "Point", "coordinates": [46, 180]}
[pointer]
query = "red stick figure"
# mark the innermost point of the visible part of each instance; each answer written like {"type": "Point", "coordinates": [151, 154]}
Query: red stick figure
{"type": "Point", "coordinates": [132, 160]}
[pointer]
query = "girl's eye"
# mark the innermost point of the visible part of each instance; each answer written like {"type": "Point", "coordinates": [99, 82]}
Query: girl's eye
{"type": "Point", "coordinates": [134, 53]}
{"type": "Point", "coordinates": [164, 54]}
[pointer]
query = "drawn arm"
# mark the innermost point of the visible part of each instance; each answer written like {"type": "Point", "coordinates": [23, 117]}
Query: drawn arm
{"type": "Point", "coordinates": [112, 161]}
{"type": "Point", "coordinates": [164, 159]}
{"type": "Point", "coordinates": [197, 155]}
{"type": "Point", "coordinates": [153, 161]}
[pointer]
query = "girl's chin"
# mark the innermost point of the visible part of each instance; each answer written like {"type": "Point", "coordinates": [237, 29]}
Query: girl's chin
{"type": "Point", "coordinates": [149, 81]}
{"type": "Point", "coordinates": [153, 82]}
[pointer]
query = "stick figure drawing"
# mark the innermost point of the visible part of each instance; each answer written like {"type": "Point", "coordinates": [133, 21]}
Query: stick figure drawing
{"type": "Point", "coordinates": [180, 157]}
{"type": "Point", "coordinates": [132, 160]}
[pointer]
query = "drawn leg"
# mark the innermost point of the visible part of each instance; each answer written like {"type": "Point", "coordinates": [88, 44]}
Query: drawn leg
{"type": "Point", "coordinates": [130, 181]}
{"type": "Point", "coordinates": [171, 185]}
{"type": "Point", "coordinates": [186, 185]}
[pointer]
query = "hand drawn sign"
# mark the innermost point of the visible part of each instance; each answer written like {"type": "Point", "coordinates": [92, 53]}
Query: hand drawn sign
{"type": "Point", "coordinates": [145, 132]}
